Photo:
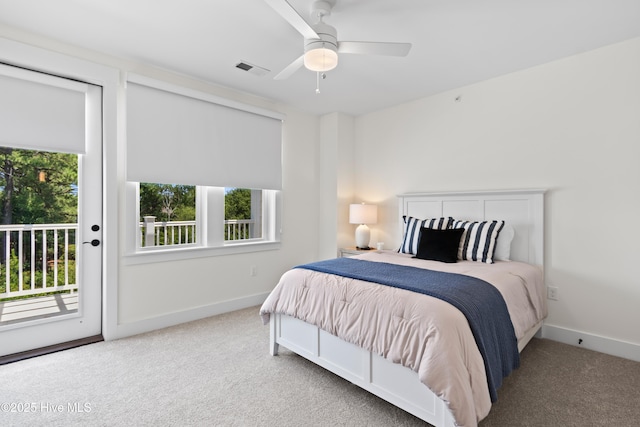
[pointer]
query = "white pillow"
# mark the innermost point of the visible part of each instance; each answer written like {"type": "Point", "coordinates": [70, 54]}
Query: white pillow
{"type": "Point", "coordinates": [503, 244]}
{"type": "Point", "coordinates": [479, 240]}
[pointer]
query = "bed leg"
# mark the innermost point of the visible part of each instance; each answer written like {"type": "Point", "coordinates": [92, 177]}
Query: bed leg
{"type": "Point", "coordinates": [273, 348]}
{"type": "Point", "coordinates": [538, 333]}
{"type": "Point", "coordinates": [273, 345]}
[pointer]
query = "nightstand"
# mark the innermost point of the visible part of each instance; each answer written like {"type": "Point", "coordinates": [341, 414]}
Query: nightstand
{"type": "Point", "coordinates": [351, 251]}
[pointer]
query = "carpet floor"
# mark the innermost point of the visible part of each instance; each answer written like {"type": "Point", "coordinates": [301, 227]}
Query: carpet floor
{"type": "Point", "coordinates": [218, 372]}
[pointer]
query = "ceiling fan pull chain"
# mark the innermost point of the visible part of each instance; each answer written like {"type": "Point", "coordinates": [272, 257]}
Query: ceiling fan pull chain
{"type": "Point", "coordinates": [318, 83]}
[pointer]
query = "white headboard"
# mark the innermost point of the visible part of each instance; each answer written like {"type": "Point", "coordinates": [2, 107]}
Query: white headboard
{"type": "Point", "coordinates": [522, 209]}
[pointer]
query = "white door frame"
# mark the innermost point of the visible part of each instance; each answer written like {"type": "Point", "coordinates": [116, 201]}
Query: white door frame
{"type": "Point", "coordinates": [113, 161]}
{"type": "Point", "coordinates": [86, 321]}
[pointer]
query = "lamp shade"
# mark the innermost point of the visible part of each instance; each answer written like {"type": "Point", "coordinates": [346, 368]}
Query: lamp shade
{"type": "Point", "coordinates": [363, 214]}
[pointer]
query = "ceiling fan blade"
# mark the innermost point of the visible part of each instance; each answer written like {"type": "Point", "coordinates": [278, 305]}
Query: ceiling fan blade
{"type": "Point", "coordinates": [292, 17]}
{"type": "Point", "coordinates": [375, 48]}
{"type": "Point", "coordinates": [290, 69]}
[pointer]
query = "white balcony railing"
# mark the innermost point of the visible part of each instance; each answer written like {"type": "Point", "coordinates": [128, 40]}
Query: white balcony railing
{"type": "Point", "coordinates": [41, 258]}
{"type": "Point", "coordinates": [166, 233]}
{"type": "Point", "coordinates": [37, 259]}
{"type": "Point", "coordinates": [239, 229]}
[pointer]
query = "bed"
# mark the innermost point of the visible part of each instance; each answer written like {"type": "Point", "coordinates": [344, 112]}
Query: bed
{"type": "Point", "coordinates": [421, 353]}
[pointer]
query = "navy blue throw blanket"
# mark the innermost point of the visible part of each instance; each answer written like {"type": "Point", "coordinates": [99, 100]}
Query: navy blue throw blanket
{"type": "Point", "coordinates": [480, 302]}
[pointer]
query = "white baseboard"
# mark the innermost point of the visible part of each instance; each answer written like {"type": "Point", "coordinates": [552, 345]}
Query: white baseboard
{"type": "Point", "coordinates": [589, 341]}
{"type": "Point", "coordinates": [172, 319]}
{"type": "Point", "coordinates": [598, 343]}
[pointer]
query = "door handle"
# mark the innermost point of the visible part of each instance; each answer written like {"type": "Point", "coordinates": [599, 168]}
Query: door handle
{"type": "Point", "coordinates": [94, 242]}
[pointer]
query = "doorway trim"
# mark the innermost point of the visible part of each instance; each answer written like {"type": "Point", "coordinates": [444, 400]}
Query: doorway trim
{"type": "Point", "coordinates": [48, 61]}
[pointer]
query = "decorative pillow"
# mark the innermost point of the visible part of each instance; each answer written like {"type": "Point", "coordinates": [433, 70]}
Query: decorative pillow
{"type": "Point", "coordinates": [503, 244]}
{"type": "Point", "coordinates": [439, 245]}
{"type": "Point", "coordinates": [478, 242]}
{"type": "Point", "coordinates": [412, 228]}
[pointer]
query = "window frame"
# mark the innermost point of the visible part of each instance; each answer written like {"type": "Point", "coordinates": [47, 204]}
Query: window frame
{"type": "Point", "coordinates": [209, 237]}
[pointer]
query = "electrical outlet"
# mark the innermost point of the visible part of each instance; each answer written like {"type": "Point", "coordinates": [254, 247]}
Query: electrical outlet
{"type": "Point", "coordinates": [253, 271]}
{"type": "Point", "coordinates": [552, 293]}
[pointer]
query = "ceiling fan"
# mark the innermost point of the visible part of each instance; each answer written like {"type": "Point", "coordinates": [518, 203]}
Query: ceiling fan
{"type": "Point", "coordinates": [321, 45]}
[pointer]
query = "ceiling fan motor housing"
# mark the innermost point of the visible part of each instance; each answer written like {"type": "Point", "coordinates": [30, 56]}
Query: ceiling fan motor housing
{"type": "Point", "coordinates": [328, 38]}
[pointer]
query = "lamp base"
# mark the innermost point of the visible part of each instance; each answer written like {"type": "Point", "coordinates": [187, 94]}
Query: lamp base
{"type": "Point", "coordinates": [363, 249]}
{"type": "Point", "coordinates": [363, 236]}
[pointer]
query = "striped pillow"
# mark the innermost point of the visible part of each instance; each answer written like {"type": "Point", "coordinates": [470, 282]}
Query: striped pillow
{"type": "Point", "coordinates": [478, 242]}
{"type": "Point", "coordinates": [412, 231]}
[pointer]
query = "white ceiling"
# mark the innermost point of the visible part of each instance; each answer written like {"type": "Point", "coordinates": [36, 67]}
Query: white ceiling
{"type": "Point", "coordinates": [455, 42]}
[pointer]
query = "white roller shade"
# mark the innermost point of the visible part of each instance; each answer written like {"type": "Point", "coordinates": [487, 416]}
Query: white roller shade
{"type": "Point", "coordinates": [177, 138]}
{"type": "Point", "coordinates": [41, 112]}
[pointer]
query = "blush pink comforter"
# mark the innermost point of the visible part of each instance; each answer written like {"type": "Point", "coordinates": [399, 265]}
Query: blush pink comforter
{"type": "Point", "coordinates": [420, 332]}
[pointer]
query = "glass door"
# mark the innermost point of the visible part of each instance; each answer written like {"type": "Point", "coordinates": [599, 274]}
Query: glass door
{"type": "Point", "coordinates": [50, 211]}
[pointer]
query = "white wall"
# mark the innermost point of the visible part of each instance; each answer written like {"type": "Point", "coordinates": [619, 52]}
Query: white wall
{"type": "Point", "coordinates": [336, 181]}
{"type": "Point", "coordinates": [571, 126]}
{"type": "Point", "coordinates": [148, 296]}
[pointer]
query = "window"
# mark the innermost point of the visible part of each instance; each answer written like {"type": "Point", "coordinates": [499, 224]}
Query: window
{"type": "Point", "coordinates": [180, 221]}
{"type": "Point", "coordinates": [242, 214]}
{"type": "Point", "coordinates": [167, 215]}
{"type": "Point", "coordinates": [39, 211]}
{"type": "Point", "coordinates": [225, 155]}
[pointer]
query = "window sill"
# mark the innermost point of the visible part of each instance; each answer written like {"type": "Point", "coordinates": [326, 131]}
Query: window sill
{"type": "Point", "coordinates": [177, 254]}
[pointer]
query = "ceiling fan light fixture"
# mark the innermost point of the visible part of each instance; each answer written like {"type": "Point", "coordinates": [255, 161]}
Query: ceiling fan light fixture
{"type": "Point", "coordinates": [321, 40]}
{"type": "Point", "coordinates": [321, 59]}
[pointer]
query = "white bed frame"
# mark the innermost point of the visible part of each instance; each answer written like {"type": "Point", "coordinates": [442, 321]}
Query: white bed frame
{"type": "Point", "coordinates": [522, 209]}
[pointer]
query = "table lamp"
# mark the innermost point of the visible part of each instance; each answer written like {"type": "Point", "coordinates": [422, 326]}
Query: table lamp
{"type": "Point", "coordinates": [363, 214]}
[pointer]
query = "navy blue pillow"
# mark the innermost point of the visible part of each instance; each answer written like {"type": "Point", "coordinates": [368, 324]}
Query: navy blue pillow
{"type": "Point", "coordinates": [439, 245]}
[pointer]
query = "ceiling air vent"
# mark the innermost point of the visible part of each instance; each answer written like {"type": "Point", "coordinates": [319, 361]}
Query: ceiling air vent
{"type": "Point", "coordinates": [252, 69]}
